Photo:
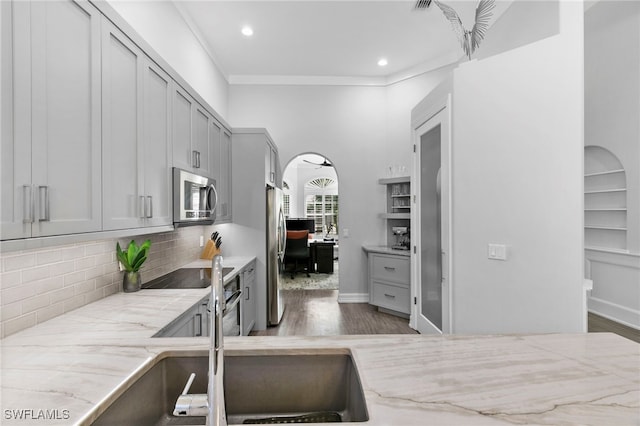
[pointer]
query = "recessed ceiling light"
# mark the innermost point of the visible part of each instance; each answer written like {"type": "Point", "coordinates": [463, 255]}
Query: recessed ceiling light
{"type": "Point", "coordinates": [247, 31]}
{"type": "Point", "coordinates": [382, 62]}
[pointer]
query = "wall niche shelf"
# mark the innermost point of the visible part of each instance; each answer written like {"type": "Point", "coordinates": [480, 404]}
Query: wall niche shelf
{"type": "Point", "coordinates": [605, 200]}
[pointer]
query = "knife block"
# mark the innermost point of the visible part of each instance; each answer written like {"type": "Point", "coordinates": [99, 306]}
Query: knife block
{"type": "Point", "coordinates": [209, 250]}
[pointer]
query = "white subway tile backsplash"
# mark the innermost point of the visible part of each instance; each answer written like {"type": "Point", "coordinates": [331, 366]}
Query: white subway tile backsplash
{"type": "Point", "coordinates": [94, 272]}
{"type": "Point", "coordinates": [10, 279]}
{"type": "Point", "coordinates": [34, 303]}
{"type": "Point", "coordinates": [49, 284]}
{"type": "Point", "coordinates": [35, 274]}
{"type": "Point", "coordinates": [85, 263]}
{"type": "Point", "coordinates": [85, 287]}
{"type": "Point", "coordinates": [17, 293]}
{"type": "Point", "coordinates": [62, 268]}
{"type": "Point", "coordinates": [74, 277]}
{"type": "Point", "coordinates": [72, 252]}
{"type": "Point", "coordinates": [19, 261]}
{"type": "Point", "coordinates": [40, 284]}
{"type": "Point", "coordinates": [48, 257]}
{"type": "Point", "coordinates": [74, 303]}
{"type": "Point", "coordinates": [10, 310]}
{"type": "Point", "coordinates": [49, 312]}
{"type": "Point", "coordinates": [62, 294]}
{"type": "Point", "coordinates": [20, 323]}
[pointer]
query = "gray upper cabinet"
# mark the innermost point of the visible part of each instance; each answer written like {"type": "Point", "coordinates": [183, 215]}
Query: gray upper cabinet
{"type": "Point", "coordinates": [224, 180]}
{"type": "Point", "coordinates": [273, 173]}
{"type": "Point", "coordinates": [156, 158]}
{"type": "Point", "coordinates": [136, 135]}
{"type": "Point", "coordinates": [121, 129]}
{"type": "Point", "coordinates": [200, 144]}
{"type": "Point", "coordinates": [220, 146]}
{"type": "Point", "coordinates": [181, 120]}
{"type": "Point", "coordinates": [51, 155]}
{"type": "Point", "coordinates": [191, 142]}
{"type": "Point", "coordinates": [91, 125]}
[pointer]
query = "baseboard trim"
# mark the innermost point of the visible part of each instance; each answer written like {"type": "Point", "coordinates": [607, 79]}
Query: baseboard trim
{"type": "Point", "coordinates": [614, 312]}
{"type": "Point", "coordinates": [353, 298]}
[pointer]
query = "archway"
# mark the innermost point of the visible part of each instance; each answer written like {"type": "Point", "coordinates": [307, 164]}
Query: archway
{"type": "Point", "coordinates": [311, 201]}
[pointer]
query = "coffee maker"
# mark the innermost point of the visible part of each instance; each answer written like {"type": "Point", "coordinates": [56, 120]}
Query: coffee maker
{"type": "Point", "coordinates": [401, 234]}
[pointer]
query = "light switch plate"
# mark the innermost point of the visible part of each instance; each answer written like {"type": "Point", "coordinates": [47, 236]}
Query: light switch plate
{"type": "Point", "coordinates": [497, 251]}
{"type": "Point", "coordinates": [201, 240]}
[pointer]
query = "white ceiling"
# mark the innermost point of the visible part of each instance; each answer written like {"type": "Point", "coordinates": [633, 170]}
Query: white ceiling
{"type": "Point", "coordinates": [330, 38]}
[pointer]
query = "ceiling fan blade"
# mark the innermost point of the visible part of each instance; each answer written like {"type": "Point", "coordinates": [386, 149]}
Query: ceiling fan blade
{"type": "Point", "coordinates": [324, 163]}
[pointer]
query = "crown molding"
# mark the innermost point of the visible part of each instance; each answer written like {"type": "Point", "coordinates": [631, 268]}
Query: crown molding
{"type": "Point", "coordinates": [201, 39]}
{"type": "Point", "coordinates": [319, 80]}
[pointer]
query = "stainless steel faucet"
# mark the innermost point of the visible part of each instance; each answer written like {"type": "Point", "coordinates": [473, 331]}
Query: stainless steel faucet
{"type": "Point", "coordinates": [210, 404]}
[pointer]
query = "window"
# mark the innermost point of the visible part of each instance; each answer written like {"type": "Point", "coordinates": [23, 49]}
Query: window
{"type": "Point", "coordinates": [321, 204]}
{"type": "Point", "coordinates": [324, 210]}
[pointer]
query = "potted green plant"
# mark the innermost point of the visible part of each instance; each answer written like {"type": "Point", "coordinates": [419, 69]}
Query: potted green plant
{"type": "Point", "coordinates": [131, 261]}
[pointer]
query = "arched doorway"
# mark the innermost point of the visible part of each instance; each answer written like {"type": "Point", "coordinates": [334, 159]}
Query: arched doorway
{"type": "Point", "coordinates": [311, 200]}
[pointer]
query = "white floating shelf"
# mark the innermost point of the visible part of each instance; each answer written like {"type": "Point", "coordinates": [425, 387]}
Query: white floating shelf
{"type": "Point", "coordinates": [607, 172]}
{"type": "Point", "coordinates": [606, 228]}
{"type": "Point", "coordinates": [603, 191]}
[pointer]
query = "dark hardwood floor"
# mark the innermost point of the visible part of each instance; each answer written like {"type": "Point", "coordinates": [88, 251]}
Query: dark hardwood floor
{"type": "Point", "coordinates": [318, 313]}
{"type": "Point", "coordinates": [598, 324]}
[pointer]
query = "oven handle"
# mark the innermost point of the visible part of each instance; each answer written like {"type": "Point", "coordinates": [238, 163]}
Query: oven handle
{"type": "Point", "coordinates": [232, 302]}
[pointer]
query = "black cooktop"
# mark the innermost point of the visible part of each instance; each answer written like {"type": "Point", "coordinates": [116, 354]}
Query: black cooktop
{"type": "Point", "coordinates": [184, 278]}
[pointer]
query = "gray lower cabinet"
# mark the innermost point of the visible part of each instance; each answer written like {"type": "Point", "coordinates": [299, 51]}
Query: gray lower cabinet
{"type": "Point", "coordinates": [389, 282]}
{"type": "Point", "coordinates": [136, 148]}
{"type": "Point", "coordinates": [51, 180]}
{"type": "Point", "coordinates": [249, 298]}
{"type": "Point", "coordinates": [192, 323]}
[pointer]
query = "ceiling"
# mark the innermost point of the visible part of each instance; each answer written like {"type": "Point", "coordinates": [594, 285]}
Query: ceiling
{"type": "Point", "coordinates": [329, 38]}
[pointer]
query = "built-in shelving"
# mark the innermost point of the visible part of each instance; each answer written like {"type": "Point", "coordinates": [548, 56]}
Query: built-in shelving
{"type": "Point", "coordinates": [398, 200]}
{"type": "Point", "coordinates": [605, 200]}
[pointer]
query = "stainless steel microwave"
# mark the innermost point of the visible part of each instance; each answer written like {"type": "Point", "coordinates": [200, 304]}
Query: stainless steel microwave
{"type": "Point", "coordinates": [194, 199]}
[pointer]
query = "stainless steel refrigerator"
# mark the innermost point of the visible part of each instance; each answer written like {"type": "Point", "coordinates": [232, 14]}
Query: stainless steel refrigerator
{"type": "Point", "coordinates": [276, 241]}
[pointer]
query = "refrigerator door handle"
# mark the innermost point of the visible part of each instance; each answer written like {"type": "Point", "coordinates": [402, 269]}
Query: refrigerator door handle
{"type": "Point", "coordinates": [282, 234]}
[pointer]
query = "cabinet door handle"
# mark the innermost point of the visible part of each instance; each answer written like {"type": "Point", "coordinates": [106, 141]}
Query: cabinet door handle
{"type": "Point", "coordinates": [390, 295]}
{"type": "Point", "coordinates": [389, 268]}
{"type": "Point", "coordinates": [247, 297]}
{"type": "Point", "coordinates": [194, 159]}
{"type": "Point", "coordinates": [198, 157]}
{"type": "Point", "coordinates": [198, 321]}
{"type": "Point", "coordinates": [27, 203]}
{"type": "Point", "coordinates": [150, 205]}
{"type": "Point", "coordinates": [44, 203]}
{"type": "Point", "coordinates": [141, 207]}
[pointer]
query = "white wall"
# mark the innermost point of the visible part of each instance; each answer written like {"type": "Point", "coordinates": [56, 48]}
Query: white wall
{"type": "Point", "coordinates": [517, 180]}
{"type": "Point", "coordinates": [361, 129]}
{"type": "Point", "coordinates": [612, 120]}
{"type": "Point", "coordinates": [162, 26]}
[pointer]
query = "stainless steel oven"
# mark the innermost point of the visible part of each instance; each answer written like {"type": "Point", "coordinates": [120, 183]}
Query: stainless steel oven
{"type": "Point", "coordinates": [231, 309]}
{"type": "Point", "coordinates": [194, 199]}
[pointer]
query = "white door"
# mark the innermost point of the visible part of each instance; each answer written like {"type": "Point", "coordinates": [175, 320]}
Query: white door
{"type": "Point", "coordinates": [431, 224]}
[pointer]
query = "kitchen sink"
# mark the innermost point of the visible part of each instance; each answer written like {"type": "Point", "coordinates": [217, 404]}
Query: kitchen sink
{"type": "Point", "coordinates": [261, 386]}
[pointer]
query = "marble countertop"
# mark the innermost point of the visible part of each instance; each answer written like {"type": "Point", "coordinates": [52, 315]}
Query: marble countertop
{"type": "Point", "coordinates": [69, 364]}
{"type": "Point", "coordinates": [386, 250]}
